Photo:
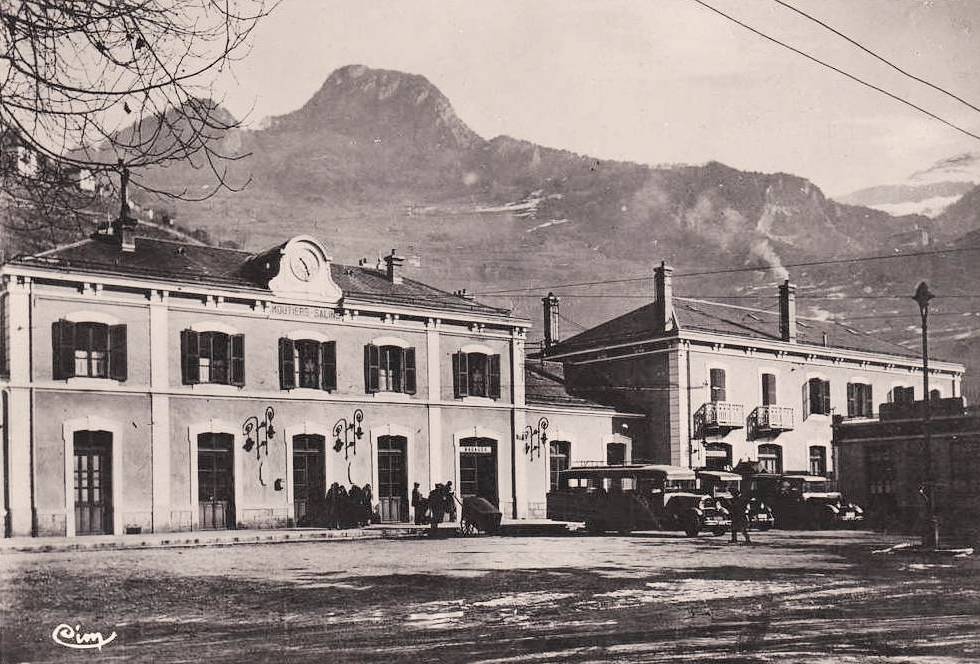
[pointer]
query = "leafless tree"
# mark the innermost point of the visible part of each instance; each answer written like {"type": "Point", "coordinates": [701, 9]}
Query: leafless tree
{"type": "Point", "coordinates": [106, 85]}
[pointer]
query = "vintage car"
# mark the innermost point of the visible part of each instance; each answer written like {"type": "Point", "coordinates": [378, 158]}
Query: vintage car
{"type": "Point", "coordinates": [719, 484]}
{"type": "Point", "coordinates": [805, 501]}
{"type": "Point", "coordinates": [635, 497]}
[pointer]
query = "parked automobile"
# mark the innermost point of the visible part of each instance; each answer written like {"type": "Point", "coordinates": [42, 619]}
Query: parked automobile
{"type": "Point", "coordinates": [805, 501]}
{"type": "Point", "coordinates": [719, 484]}
{"type": "Point", "coordinates": [635, 497]}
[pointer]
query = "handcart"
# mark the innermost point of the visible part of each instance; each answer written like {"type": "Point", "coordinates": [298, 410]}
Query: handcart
{"type": "Point", "coordinates": [479, 515]}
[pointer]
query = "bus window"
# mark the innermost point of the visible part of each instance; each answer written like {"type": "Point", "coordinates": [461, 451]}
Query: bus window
{"type": "Point", "coordinates": [629, 483]}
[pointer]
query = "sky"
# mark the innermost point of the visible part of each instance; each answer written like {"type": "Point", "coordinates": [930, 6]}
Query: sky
{"type": "Point", "coordinates": [652, 81]}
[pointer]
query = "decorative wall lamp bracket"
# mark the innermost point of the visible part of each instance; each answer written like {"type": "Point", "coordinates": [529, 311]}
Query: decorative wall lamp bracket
{"type": "Point", "coordinates": [535, 438]}
{"type": "Point", "coordinates": [346, 433]}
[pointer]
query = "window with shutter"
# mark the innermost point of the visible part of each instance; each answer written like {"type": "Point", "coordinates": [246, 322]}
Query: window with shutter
{"type": "Point", "coordinates": [409, 373]}
{"type": "Point", "coordinates": [118, 365]}
{"type": "Point", "coordinates": [717, 379]}
{"type": "Point", "coordinates": [868, 402]}
{"type": "Point", "coordinates": [478, 374]}
{"type": "Point", "coordinates": [825, 396]}
{"type": "Point", "coordinates": [495, 376]}
{"type": "Point", "coordinates": [287, 366]}
{"type": "Point", "coordinates": [852, 408]}
{"type": "Point", "coordinates": [768, 389]}
{"type": "Point", "coordinates": [63, 349]}
{"type": "Point", "coordinates": [806, 400]}
{"type": "Point", "coordinates": [308, 358]}
{"type": "Point", "coordinates": [460, 375]}
{"type": "Point", "coordinates": [328, 365]}
{"type": "Point", "coordinates": [190, 357]}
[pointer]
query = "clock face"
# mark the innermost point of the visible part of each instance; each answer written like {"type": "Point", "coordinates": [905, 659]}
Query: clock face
{"type": "Point", "coordinates": [304, 264]}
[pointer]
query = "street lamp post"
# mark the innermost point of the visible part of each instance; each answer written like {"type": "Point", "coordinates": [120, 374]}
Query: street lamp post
{"type": "Point", "coordinates": [922, 297]}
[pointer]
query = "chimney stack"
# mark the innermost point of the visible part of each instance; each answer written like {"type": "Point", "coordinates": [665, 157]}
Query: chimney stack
{"type": "Point", "coordinates": [124, 228]}
{"type": "Point", "coordinates": [551, 332]}
{"type": "Point", "coordinates": [664, 295]}
{"type": "Point", "coordinates": [393, 264]}
{"type": "Point", "coordinates": [787, 312]}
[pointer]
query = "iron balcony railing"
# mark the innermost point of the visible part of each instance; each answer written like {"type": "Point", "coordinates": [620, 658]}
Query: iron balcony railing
{"type": "Point", "coordinates": [722, 415]}
{"type": "Point", "coordinates": [774, 418]}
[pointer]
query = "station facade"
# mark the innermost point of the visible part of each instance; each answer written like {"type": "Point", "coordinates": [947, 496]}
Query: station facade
{"type": "Point", "coordinates": [151, 385]}
{"type": "Point", "coordinates": [723, 384]}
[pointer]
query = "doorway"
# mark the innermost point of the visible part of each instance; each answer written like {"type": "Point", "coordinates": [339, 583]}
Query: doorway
{"type": "Point", "coordinates": [309, 478]}
{"type": "Point", "coordinates": [478, 469]}
{"type": "Point", "coordinates": [93, 482]}
{"type": "Point", "coordinates": [393, 478]}
{"type": "Point", "coordinates": [216, 481]}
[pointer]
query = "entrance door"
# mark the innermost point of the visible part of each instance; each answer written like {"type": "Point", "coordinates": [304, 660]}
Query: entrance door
{"type": "Point", "coordinates": [93, 483]}
{"type": "Point", "coordinates": [309, 480]}
{"type": "Point", "coordinates": [478, 468]}
{"type": "Point", "coordinates": [393, 478]}
{"type": "Point", "coordinates": [216, 480]}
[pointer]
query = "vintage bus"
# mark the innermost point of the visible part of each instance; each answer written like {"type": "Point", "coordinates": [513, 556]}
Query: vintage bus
{"type": "Point", "coordinates": [635, 497]}
{"type": "Point", "coordinates": [719, 484]}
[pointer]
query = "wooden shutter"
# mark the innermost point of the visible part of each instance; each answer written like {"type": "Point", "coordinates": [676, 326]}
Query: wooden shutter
{"type": "Point", "coordinates": [63, 349]}
{"type": "Point", "coordinates": [852, 399]}
{"type": "Point", "coordinates": [461, 386]}
{"type": "Point", "coordinates": [768, 389]}
{"type": "Point", "coordinates": [806, 399]}
{"type": "Point", "coordinates": [117, 352]}
{"type": "Point", "coordinates": [328, 365]}
{"type": "Point", "coordinates": [825, 396]}
{"type": "Point", "coordinates": [718, 392]}
{"type": "Point", "coordinates": [868, 402]}
{"type": "Point", "coordinates": [236, 357]}
{"type": "Point", "coordinates": [190, 353]}
{"type": "Point", "coordinates": [371, 362]}
{"type": "Point", "coordinates": [493, 372]}
{"type": "Point", "coordinates": [408, 370]}
{"type": "Point", "coordinates": [287, 364]}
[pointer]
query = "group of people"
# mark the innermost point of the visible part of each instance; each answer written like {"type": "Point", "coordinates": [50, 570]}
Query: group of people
{"type": "Point", "coordinates": [341, 508]}
{"type": "Point", "coordinates": [434, 508]}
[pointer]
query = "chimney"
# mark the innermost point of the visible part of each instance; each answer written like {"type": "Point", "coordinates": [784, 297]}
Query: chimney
{"type": "Point", "coordinates": [551, 334]}
{"type": "Point", "coordinates": [124, 228]}
{"type": "Point", "coordinates": [664, 295]}
{"type": "Point", "coordinates": [787, 312]}
{"type": "Point", "coordinates": [393, 263]}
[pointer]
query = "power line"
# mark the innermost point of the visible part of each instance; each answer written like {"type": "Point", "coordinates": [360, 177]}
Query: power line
{"type": "Point", "coordinates": [649, 296]}
{"type": "Point", "coordinates": [731, 270]}
{"type": "Point", "coordinates": [875, 55]}
{"type": "Point", "coordinates": [838, 70]}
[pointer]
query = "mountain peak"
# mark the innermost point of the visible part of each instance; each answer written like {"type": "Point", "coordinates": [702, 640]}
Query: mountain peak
{"type": "Point", "coordinates": [386, 105]}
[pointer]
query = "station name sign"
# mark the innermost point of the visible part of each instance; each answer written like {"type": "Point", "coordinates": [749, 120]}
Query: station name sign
{"type": "Point", "coordinates": [475, 449]}
{"type": "Point", "coordinates": [301, 311]}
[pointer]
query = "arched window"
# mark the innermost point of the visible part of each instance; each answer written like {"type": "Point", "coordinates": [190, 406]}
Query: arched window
{"type": "Point", "coordinates": [389, 369]}
{"type": "Point", "coordinates": [818, 460]}
{"type": "Point", "coordinates": [560, 458]}
{"type": "Point", "coordinates": [307, 363]}
{"type": "Point", "coordinates": [718, 456]}
{"type": "Point", "coordinates": [212, 357]}
{"type": "Point", "coordinates": [615, 454]}
{"type": "Point", "coordinates": [89, 349]}
{"type": "Point", "coordinates": [476, 374]}
{"type": "Point", "coordinates": [771, 458]}
{"type": "Point", "coordinates": [902, 394]}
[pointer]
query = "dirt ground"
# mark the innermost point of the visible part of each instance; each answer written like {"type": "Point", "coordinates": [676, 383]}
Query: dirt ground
{"type": "Point", "coordinates": [792, 597]}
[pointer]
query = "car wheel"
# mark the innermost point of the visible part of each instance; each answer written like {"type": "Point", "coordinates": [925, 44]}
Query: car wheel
{"type": "Point", "coordinates": [693, 527]}
{"type": "Point", "coordinates": [594, 527]}
{"type": "Point", "coordinates": [718, 531]}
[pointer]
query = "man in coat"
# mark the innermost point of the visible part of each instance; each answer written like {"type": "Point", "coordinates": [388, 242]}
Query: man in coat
{"type": "Point", "coordinates": [739, 511]}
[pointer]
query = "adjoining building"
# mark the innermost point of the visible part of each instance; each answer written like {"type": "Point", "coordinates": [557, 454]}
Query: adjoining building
{"type": "Point", "coordinates": [151, 385]}
{"type": "Point", "coordinates": [721, 384]}
{"type": "Point", "coordinates": [885, 465]}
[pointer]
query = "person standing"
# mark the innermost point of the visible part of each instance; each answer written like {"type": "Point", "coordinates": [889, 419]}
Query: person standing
{"type": "Point", "coordinates": [416, 504]}
{"type": "Point", "coordinates": [450, 500]}
{"type": "Point", "coordinates": [739, 512]}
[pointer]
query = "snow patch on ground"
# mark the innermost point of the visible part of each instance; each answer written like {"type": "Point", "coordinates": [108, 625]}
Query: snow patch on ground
{"type": "Point", "coordinates": [523, 599]}
{"type": "Point", "coordinates": [930, 207]}
{"type": "Point", "coordinates": [553, 222]}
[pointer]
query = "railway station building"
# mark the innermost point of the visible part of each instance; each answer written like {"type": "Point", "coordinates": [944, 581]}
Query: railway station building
{"type": "Point", "coordinates": [151, 385]}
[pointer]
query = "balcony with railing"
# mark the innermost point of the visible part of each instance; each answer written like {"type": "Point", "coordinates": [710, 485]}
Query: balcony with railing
{"type": "Point", "coordinates": [719, 416]}
{"type": "Point", "coordinates": [773, 419]}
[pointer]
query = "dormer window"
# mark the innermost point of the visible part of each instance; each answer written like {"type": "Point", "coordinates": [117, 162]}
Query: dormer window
{"type": "Point", "coordinates": [476, 374]}
{"type": "Point", "coordinates": [307, 363]}
{"type": "Point", "coordinates": [86, 349]}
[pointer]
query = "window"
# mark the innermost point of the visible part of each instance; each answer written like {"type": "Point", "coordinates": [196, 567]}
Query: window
{"type": "Point", "coordinates": [816, 397]}
{"type": "Point", "coordinates": [717, 380]}
{"type": "Point", "coordinates": [559, 459]}
{"type": "Point", "coordinates": [307, 363]}
{"type": "Point", "coordinates": [934, 395]}
{"type": "Point", "coordinates": [768, 389]}
{"type": "Point", "coordinates": [879, 462]}
{"type": "Point", "coordinates": [476, 375]}
{"type": "Point", "coordinates": [212, 357]}
{"type": "Point", "coordinates": [818, 460]}
{"type": "Point", "coordinates": [964, 458]}
{"type": "Point", "coordinates": [859, 400]}
{"type": "Point", "coordinates": [95, 350]}
{"type": "Point", "coordinates": [615, 454]}
{"type": "Point", "coordinates": [389, 369]}
{"type": "Point", "coordinates": [902, 395]}
{"type": "Point", "coordinates": [771, 458]}
{"type": "Point", "coordinates": [717, 456]}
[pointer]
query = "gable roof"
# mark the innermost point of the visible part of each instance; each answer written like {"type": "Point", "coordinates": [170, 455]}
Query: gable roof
{"type": "Point", "coordinates": [183, 262]}
{"type": "Point", "coordinates": [730, 320]}
{"type": "Point", "coordinates": [544, 385]}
